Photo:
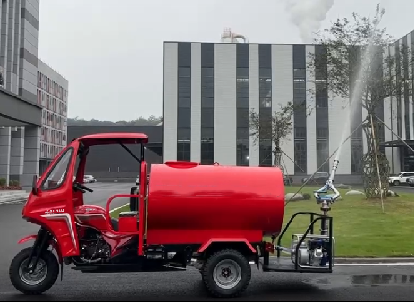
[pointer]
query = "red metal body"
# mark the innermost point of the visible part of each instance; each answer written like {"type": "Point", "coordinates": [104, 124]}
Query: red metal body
{"type": "Point", "coordinates": [192, 203]}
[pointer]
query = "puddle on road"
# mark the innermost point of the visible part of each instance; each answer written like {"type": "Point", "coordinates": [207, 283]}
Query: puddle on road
{"type": "Point", "coordinates": [364, 280]}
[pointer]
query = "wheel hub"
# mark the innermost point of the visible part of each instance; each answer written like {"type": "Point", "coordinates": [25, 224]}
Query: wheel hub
{"type": "Point", "coordinates": [227, 274]}
{"type": "Point", "coordinates": [33, 276]}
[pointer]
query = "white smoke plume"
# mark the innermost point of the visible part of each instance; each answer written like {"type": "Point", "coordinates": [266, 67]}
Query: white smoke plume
{"type": "Point", "coordinates": [307, 15]}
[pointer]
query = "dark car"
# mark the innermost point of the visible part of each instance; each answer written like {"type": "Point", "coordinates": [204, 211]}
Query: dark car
{"type": "Point", "coordinates": [317, 178]}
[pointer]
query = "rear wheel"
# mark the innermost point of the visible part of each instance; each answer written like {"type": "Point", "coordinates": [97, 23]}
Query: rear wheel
{"type": "Point", "coordinates": [226, 274]}
{"type": "Point", "coordinates": [41, 279]}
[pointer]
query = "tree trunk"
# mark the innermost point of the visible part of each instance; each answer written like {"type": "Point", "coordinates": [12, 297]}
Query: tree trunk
{"type": "Point", "coordinates": [374, 162]}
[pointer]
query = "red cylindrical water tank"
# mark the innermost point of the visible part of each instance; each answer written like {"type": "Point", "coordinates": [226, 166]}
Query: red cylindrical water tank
{"type": "Point", "coordinates": [188, 198]}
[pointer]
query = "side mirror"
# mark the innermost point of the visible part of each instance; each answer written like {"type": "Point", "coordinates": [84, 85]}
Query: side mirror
{"type": "Point", "coordinates": [35, 185]}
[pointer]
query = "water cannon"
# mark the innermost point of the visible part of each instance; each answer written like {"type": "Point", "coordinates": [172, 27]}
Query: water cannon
{"type": "Point", "coordinates": [326, 200]}
{"type": "Point", "coordinates": [333, 171]}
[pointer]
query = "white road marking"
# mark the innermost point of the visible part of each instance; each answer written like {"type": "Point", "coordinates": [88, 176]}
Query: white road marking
{"type": "Point", "coordinates": [117, 208]}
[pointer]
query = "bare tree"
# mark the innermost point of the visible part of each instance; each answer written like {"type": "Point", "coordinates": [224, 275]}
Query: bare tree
{"type": "Point", "coordinates": [360, 69]}
{"type": "Point", "coordinates": [278, 128]}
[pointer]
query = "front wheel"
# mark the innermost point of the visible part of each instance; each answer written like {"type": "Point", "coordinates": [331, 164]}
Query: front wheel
{"type": "Point", "coordinates": [396, 183]}
{"type": "Point", "coordinates": [226, 274]}
{"type": "Point", "coordinates": [41, 279]}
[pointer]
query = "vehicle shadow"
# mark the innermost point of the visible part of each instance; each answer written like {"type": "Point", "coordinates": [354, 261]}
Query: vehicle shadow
{"type": "Point", "coordinates": [269, 291]}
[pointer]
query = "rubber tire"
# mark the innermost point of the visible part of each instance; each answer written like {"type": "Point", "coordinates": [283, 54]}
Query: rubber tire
{"type": "Point", "coordinates": [208, 269]}
{"type": "Point", "coordinates": [396, 183]}
{"type": "Point", "coordinates": [52, 275]}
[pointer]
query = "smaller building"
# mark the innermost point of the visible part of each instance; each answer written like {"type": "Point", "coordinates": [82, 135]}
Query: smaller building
{"type": "Point", "coordinates": [53, 97]}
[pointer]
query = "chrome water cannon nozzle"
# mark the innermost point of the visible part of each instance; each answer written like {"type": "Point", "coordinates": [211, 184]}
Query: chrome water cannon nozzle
{"type": "Point", "coordinates": [334, 169]}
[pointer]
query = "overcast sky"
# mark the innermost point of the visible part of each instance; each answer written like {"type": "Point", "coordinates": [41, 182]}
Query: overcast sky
{"type": "Point", "coordinates": [111, 51]}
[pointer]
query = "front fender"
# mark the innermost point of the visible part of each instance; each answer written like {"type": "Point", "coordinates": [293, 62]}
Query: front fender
{"type": "Point", "coordinates": [25, 239]}
{"type": "Point", "coordinates": [52, 242]}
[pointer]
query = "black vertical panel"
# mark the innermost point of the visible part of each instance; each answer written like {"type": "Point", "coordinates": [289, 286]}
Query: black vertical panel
{"type": "Point", "coordinates": [242, 112]}
{"type": "Point", "coordinates": [299, 114]}
{"type": "Point", "coordinates": [399, 95]}
{"type": "Point", "coordinates": [207, 103]}
{"type": "Point", "coordinates": [356, 116]}
{"type": "Point", "coordinates": [412, 48]}
{"type": "Point", "coordinates": [184, 102]}
{"type": "Point", "coordinates": [265, 105]}
{"type": "Point", "coordinates": [322, 131]}
{"type": "Point", "coordinates": [406, 95]}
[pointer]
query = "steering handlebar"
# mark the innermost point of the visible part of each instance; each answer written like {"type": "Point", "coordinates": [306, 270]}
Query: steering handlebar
{"type": "Point", "coordinates": [81, 187]}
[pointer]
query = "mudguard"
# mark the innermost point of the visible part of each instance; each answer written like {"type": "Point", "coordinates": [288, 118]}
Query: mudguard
{"type": "Point", "coordinates": [51, 242]}
{"type": "Point", "coordinates": [219, 240]}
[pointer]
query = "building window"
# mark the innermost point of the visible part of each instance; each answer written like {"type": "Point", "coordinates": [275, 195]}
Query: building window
{"type": "Point", "coordinates": [265, 105]}
{"type": "Point", "coordinates": [356, 156]}
{"type": "Point", "coordinates": [300, 156]}
{"type": "Point", "coordinates": [299, 115]}
{"type": "Point", "coordinates": [322, 155]}
{"type": "Point", "coordinates": [207, 103]}
{"type": "Point", "coordinates": [184, 102]}
{"type": "Point", "coordinates": [265, 152]}
{"type": "Point", "coordinates": [207, 145]}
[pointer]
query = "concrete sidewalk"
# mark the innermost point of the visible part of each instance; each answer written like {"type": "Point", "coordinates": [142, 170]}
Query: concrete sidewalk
{"type": "Point", "coordinates": [13, 196]}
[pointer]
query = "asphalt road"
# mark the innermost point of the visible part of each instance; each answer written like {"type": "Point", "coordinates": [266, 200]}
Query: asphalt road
{"type": "Point", "coordinates": [347, 283]}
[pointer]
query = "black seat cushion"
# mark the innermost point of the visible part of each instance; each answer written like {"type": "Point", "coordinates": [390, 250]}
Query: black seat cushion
{"type": "Point", "coordinates": [114, 224]}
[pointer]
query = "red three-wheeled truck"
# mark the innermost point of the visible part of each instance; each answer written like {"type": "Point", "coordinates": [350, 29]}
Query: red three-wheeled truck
{"type": "Point", "coordinates": [211, 217]}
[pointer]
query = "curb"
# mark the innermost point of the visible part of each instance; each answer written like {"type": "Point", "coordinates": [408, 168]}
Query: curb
{"type": "Point", "coordinates": [14, 202]}
{"type": "Point", "coordinates": [374, 260]}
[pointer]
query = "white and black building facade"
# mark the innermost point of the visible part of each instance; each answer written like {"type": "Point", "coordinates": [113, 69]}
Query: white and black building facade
{"type": "Point", "coordinates": [210, 88]}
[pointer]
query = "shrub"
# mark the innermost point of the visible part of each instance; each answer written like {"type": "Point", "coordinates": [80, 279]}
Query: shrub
{"type": "Point", "coordinates": [14, 183]}
{"type": "Point", "coordinates": [2, 182]}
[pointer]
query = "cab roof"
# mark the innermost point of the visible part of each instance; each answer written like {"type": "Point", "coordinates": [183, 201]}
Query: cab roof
{"type": "Point", "coordinates": [114, 138]}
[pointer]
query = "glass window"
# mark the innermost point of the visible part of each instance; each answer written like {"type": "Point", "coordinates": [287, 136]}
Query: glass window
{"type": "Point", "coordinates": [300, 156]}
{"type": "Point", "coordinates": [207, 117]}
{"type": "Point", "coordinates": [243, 133]}
{"type": "Point", "coordinates": [184, 117]}
{"type": "Point", "coordinates": [184, 134]}
{"type": "Point", "coordinates": [299, 73]}
{"type": "Point", "coordinates": [243, 153]}
{"type": "Point", "coordinates": [266, 103]}
{"type": "Point", "coordinates": [184, 72]}
{"type": "Point", "coordinates": [243, 117]}
{"type": "Point", "coordinates": [57, 175]}
{"type": "Point", "coordinates": [243, 102]}
{"type": "Point", "coordinates": [207, 153]}
{"type": "Point", "coordinates": [300, 133]}
{"type": "Point", "coordinates": [242, 73]}
{"type": "Point", "coordinates": [207, 72]}
{"type": "Point", "coordinates": [265, 73]}
{"type": "Point", "coordinates": [265, 152]}
{"type": "Point", "coordinates": [184, 102]}
{"type": "Point", "coordinates": [207, 134]}
{"type": "Point", "coordinates": [184, 151]}
{"type": "Point", "coordinates": [207, 102]}
{"type": "Point", "coordinates": [356, 156]}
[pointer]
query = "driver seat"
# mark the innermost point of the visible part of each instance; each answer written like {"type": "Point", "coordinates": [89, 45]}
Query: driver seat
{"type": "Point", "coordinates": [114, 221]}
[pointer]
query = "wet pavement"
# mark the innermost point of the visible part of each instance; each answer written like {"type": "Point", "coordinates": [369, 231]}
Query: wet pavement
{"type": "Point", "coordinates": [347, 283]}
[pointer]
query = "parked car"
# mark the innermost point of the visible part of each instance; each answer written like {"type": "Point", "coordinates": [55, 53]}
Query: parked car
{"type": "Point", "coordinates": [89, 179]}
{"type": "Point", "coordinates": [399, 179]}
{"type": "Point", "coordinates": [317, 178]}
{"type": "Point", "coordinates": [138, 180]}
{"type": "Point", "coordinates": [410, 181]}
